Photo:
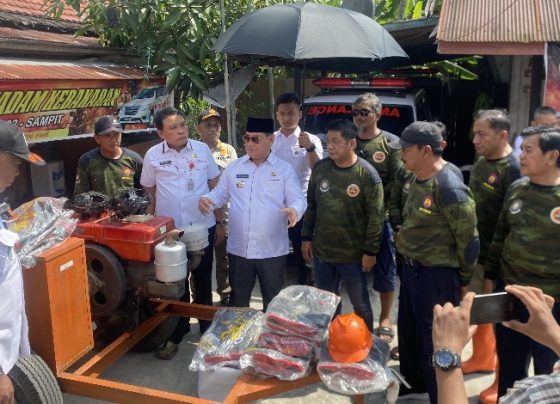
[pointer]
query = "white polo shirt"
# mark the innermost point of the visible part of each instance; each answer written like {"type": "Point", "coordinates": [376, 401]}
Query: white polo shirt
{"type": "Point", "coordinates": [180, 178]}
{"type": "Point", "coordinates": [257, 228]}
{"type": "Point", "coordinates": [13, 322]}
{"type": "Point", "coordinates": [287, 148]}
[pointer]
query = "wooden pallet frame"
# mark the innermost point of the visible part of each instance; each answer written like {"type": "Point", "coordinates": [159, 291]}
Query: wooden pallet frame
{"type": "Point", "coordinates": [86, 380]}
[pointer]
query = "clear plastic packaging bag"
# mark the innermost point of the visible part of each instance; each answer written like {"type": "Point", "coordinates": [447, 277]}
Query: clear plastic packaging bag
{"type": "Point", "coordinates": [232, 332]}
{"type": "Point", "coordinates": [368, 376]}
{"type": "Point", "coordinates": [272, 363]}
{"type": "Point", "coordinates": [302, 311]}
{"type": "Point", "coordinates": [287, 344]}
{"type": "Point", "coordinates": [41, 224]}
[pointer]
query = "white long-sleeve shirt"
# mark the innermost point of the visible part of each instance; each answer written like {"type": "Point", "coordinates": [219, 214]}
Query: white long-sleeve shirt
{"type": "Point", "coordinates": [287, 148]}
{"type": "Point", "coordinates": [257, 227]}
{"type": "Point", "coordinates": [180, 178]}
{"type": "Point", "coordinates": [14, 340]}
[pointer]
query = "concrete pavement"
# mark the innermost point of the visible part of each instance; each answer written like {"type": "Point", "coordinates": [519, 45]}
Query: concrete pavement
{"type": "Point", "coordinates": [146, 370]}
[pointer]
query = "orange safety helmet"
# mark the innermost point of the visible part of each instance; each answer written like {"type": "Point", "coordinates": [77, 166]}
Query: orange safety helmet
{"type": "Point", "coordinates": [349, 338]}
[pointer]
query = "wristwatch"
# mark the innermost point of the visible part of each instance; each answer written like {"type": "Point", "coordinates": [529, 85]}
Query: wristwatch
{"type": "Point", "coordinates": [445, 359]}
{"type": "Point", "coordinates": [311, 148]}
{"type": "Point", "coordinates": [223, 222]}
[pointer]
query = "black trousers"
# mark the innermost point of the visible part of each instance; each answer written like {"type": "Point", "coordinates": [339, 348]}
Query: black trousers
{"type": "Point", "coordinates": [243, 273]}
{"type": "Point", "coordinates": [294, 233]}
{"type": "Point", "coordinates": [421, 289]}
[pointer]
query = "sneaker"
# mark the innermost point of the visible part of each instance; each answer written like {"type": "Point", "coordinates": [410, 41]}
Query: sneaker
{"type": "Point", "coordinates": [168, 351]}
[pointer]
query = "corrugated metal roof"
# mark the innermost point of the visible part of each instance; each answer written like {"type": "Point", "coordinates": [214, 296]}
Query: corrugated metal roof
{"type": "Point", "coordinates": [66, 71]}
{"type": "Point", "coordinates": [35, 8]}
{"type": "Point", "coordinates": [495, 21]}
{"type": "Point", "coordinates": [52, 38]}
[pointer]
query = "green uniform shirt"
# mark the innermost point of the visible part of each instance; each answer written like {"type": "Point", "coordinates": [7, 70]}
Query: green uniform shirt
{"type": "Point", "coordinates": [345, 211]}
{"type": "Point", "coordinates": [400, 189]}
{"type": "Point", "coordinates": [97, 173]}
{"type": "Point", "coordinates": [385, 160]}
{"type": "Point", "coordinates": [439, 227]}
{"type": "Point", "coordinates": [489, 182]}
{"type": "Point", "coordinates": [524, 249]}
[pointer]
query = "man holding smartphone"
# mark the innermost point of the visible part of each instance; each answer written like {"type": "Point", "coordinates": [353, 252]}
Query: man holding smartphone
{"type": "Point", "coordinates": [439, 242]}
{"type": "Point", "coordinates": [490, 178]}
{"type": "Point", "coordinates": [524, 249]}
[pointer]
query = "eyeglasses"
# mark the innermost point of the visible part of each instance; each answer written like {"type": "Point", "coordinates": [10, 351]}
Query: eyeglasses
{"type": "Point", "coordinates": [254, 139]}
{"type": "Point", "coordinates": [361, 112]}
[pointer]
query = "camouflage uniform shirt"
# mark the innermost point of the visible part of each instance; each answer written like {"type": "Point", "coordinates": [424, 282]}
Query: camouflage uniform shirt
{"type": "Point", "coordinates": [385, 160]}
{"type": "Point", "coordinates": [399, 192]}
{"type": "Point", "coordinates": [345, 211]}
{"type": "Point", "coordinates": [524, 249]}
{"type": "Point", "coordinates": [489, 182]}
{"type": "Point", "coordinates": [97, 173]}
{"type": "Point", "coordinates": [439, 227]}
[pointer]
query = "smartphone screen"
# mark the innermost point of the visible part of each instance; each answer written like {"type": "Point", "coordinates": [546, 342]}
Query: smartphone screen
{"type": "Point", "coordinates": [495, 308]}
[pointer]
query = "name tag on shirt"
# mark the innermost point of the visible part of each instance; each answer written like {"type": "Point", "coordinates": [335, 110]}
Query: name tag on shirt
{"type": "Point", "coordinates": [242, 176]}
{"type": "Point", "coordinates": [164, 163]}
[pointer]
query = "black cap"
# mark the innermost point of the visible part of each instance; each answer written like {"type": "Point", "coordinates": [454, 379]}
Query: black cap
{"type": "Point", "coordinates": [208, 113]}
{"type": "Point", "coordinates": [13, 141]}
{"type": "Point", "coordinates": [107, 124]}
{"type": "Point", "coordinates": [419, 133]}
{"type": "Point", "coordinates": [264, 125]}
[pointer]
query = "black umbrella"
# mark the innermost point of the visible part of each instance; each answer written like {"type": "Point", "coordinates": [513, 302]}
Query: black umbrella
{"type": "Point", "coordinates": [310, 35]}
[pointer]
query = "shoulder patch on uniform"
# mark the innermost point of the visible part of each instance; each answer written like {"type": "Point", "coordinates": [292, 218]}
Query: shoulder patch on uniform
{"type": "Point", "coordinates": [389, 136]}
{"type": "Point", "coordinates": [514, 169]}
{"type": "Point", "coordinates": [456, 170]}
{"type": "Point", "coordinates": [451, 188]}
{"type": "Point", "coordinates": [376, 179]}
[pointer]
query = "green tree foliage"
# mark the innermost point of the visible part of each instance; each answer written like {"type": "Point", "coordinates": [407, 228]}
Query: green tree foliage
{"type": "Point", "coordinates": [175, 36]}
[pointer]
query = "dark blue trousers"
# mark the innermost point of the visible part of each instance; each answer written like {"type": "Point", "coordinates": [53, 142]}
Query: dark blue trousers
{"type": "Point", "coordinates": [421, 289]}
{"type": "Point", "coordinates": [330, 277]}
{"type": "Point", "coordinates": [385, 270]}
{"type": "Point", "coordinates": [515, 351]}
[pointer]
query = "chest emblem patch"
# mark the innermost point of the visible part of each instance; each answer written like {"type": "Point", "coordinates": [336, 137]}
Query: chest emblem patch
{"type": "Point", "coordinates": [353, 190]}
{"type": "Point", "coordinates": [379, 157]}
{"type": "Point", "coordinates": [555, 215]}
{"type": "Point", "coordinates": [127, 171]}
{"type": "Point", "coordinates": [492, 178]}
{"type": "Point", "coordinates": [240, 184]}
{"type": "Point", "coordinates": [324, 186]}
{"type": "Point", "coordinates": [515, 206]}
{"type": "Point", "coordinates": [427, 202]}
{"type": "Point", "coordinates": [406, 187]}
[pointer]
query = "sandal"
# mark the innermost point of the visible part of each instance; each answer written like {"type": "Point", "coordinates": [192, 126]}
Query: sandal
{"type": "Point", "coordinates": [385, 333]}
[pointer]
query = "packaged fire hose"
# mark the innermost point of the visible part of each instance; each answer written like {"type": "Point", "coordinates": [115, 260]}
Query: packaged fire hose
{"type": "Point", "coordinates": [352, 360]}
{"type": "Point", "coordinates": [296, 322]}
{"type": "Point", "coordinates": [302, 311]}
{"type": "Point", "coordinates": [232, 332]}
